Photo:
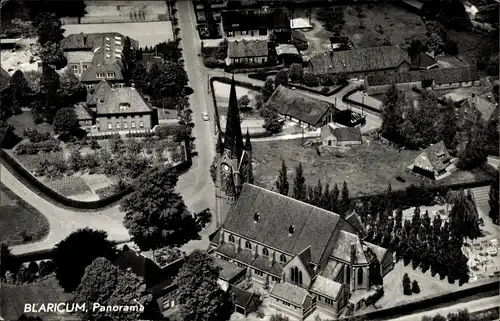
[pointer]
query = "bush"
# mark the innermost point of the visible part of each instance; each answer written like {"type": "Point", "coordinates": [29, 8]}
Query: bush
{"type": "Point", "coordinates": [51, 167]}
{"type": "Point", "coordinates": [279, 317]}
{"type": "Point", "coordinates": [141, 134]}
{"type": "Point", "coordinates": [310, 80]}
{"type": "Point", "coordinates": [35, 136]}
{"type": "Point", "coordinates": [28, 148]}
{"type": "Point", "coordinates": [325, 90]}
{"type": "Point", "coordinates": [94, 145]}
{"type": "Point", "coordinates": [45, 268]}
{"type": "Point", "coordinates": [164, 132]}
{"type": "Point", "coordinates": [414, 287]}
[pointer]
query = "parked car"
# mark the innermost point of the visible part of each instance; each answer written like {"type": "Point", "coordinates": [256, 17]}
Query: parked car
{"type": "Point", "coordinates": [205, 116]}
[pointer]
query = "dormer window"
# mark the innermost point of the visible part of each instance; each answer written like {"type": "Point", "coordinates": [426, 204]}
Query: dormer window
{"type": "Point", "coordinates": [256, 217]}
{"type": "Point", "coordinates": [101, 100]}
{"type": "Point", "coordinates": [100, 75]}
{"type": "Point", "coordinates": [282, 258]}
{"type": "Point", "coordinates": [231, 239]}
{"type": "Point", "coordinates": [291, 229]}
{"type": "Point", "coordinates": [265, 252]}
{"type": "Point", "coordinates": [248, 245]}
{"type": "Point", "coordinates": [124, 106]}
{"type": "Point", "coordinates": [111, 75]}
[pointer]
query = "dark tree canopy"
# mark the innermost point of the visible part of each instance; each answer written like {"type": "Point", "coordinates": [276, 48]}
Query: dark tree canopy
{"type": "Point", "coordinates": [65, 121]}
{"type": "Point", "coordinates": [168, 80]}
{"type": "Point", "coordinates": [73, 254]}
{"type": "Point", "coordinates": [272, 122]}
{"type": "Point", "coordinates": [21, 90]}
{"type": "Point", "coordinates": [49, 28]}
{"type": "Point", "coordinates": [156, 215]}
{"type": "Point", "coordinates": [7, 136]}
{"type": "Point", "coordinates": [451, 13]}
{"type": "Point", "coordinates": [281, 78]}
{"type": "Point", "coordinates": [268, 89]}
{"type": "Point", "coordinates": [494, 200]}
{"type": "Point", "coordinates": [282, 180]}
{"type": "Point", "coordinates": [392, 113]}
{"type": "Point", "coordinates": [201, 297]}
{"type": "Point", "coordinates": [71, 90]}
{"type": "Point", "coordinates": [299, 185]}
{"type": "Point", "coordinates": [23, 317]}
{"type": "Point", "coordinates": [464, 218]}
{"type": "Point", "coordinates": [8, 261]}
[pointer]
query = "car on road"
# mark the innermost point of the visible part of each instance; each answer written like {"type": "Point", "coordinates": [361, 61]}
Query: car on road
{"type": "Point", "coordinates": [205, 116]}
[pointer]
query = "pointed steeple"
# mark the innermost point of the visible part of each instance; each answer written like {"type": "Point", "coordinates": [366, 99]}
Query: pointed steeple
{"type": "Point", "coordinates": [219, 146]}
{"type": "Point", "coordinates": [248, 145]}
{"type": "Point", "coordinates": [233, 137]}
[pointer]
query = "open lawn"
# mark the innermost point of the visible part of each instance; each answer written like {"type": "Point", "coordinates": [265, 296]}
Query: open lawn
{"type": "Point", "coordinates": [25, 120]}
{"type": "Point", "coordinates": [146, 33]}
{"type": "Point", "coordinates": [14, 297]}
{"type": "Point", "coordinates": [16, 217]}
{"type": "Point", "coordinates": [367, 168]}
{"type": "Point", "coordinates": [377, 22]}
{"type": "Point", "coordinates": [470, 44]}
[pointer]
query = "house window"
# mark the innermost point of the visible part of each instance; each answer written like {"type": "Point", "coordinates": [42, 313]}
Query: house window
{"type": "Point", "coordinates": [125, 125]}
{"type": "Point", "coordinates": [329, 143]}
{"type": "Point", "coordinates": [244, 32]}
{"type": "Point", "coordinates": [296, 275]}
{"type": "Point", "coordinates": [252, 33]}
{"type": "Point", "coordinates": [84, 67]}
{"type": "Point", "coordinates": [141, 124]}
{"type": "Point", "coordinates": [132, 124]}
{"type": "Point", "coordinates": [360, 276]}
{"type": "Point", "coordinates": [230, 34]}
{"type": "Point", "coordinates": [348, 276]}
{"type": "Point", "coordinates": [248, 245]}
{"type": "Point", "coordinates": [111, 75]}
{"type": "Point", "coordinates": [328, 301]}
{"type": "Point", "coordinates": [117, 125]}
{"type": "Point", "coordinates": [110, 126]}
{"type": "Point", "coordinates": [282, 258]}
{"type": "Point", "coordinates": [275, 279]}
{"type": "Point", "coordinates": [75, 69]}
{"type": "Point", "coordinates": [231, 238]}
{"type": "Point", "coordinates": [259, 273]}
{"type": "Point", "coordinates": [100, 75]}
{"type": "Point", "coordinates": [265, 252]}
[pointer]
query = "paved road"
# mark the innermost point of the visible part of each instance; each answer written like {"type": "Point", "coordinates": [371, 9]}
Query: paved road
{"type": "Point", "coordinates": [472, 306]}
{"type": "Point", "coordinates": [63, 221]}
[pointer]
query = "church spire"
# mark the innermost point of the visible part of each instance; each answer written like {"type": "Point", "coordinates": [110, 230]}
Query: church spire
{"type": "Point", "coordinates": [219, 146]}
{"type": "Point", "coordinates": [248, 145]}
{"type": "Point", "coordinates": [233, 137]}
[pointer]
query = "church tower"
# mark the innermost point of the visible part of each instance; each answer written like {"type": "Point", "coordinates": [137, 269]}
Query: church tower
{"type": "Point", "coordinates": [234, 166]}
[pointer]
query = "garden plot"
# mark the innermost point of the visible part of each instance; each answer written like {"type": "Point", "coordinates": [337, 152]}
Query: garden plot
{"type": "Point", "coordinates": [146, 33]}
{"type": "Point", "coordinates": [68, 185]}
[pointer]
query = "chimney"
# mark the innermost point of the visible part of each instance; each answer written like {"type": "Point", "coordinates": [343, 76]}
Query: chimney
{"type": "Point", "coordinates": [132, 85]}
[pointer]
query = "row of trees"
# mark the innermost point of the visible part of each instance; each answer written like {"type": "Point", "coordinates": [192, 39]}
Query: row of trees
{"type": "Point", "coordinates": [462, 315]}
{"type": "Point", "coordinates": [435, 39]}
{"type": "Point", "coordinates": [410, 287]}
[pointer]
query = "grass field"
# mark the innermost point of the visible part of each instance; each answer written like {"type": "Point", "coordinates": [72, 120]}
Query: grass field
{"type": "Point", "coordinates": [146, 33]}
{"type": "Point", "coordinates": [17, 216]}
{"type": "Point", "coordinates": [14, 297]}
{"type": "Point", "coordinates": [25, 120]}
{"type": "Point", "coordinates": [470, 44]}
{"type": "Point", "coordinates": [31, 161]}
{"type": "Point", "coordinates": [367, 168]}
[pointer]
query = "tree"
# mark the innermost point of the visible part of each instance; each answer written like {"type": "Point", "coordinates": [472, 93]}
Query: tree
{"type": "Point", "coordinates": [7, 136]}
{"type": "Point", "coordinates": [50, 81]}
{"type": "Point", "coordinates": [198, 290]}
{"type": "Point", "coordinates": [494, 200]}
{"type": "Point", "coordinates": [8, 261]}
{"type": "Point", "coordinates": [272, 122]}
{"type": "Point", "coordinates": [52, 53]}
{"type": "Point", "coordinates": [243, 102]}
{"type": "Point", "coordinates": [392, 113]}
{"type": "Point", "coordinates": [281, 78]}
{"type": "Point", "coordinates": [168, 80]}
{"type": "Point", "coordinates": [71, 90]}
{"type": "Point", "coordinates": [450, 48]}
{"type": "Point", "coordinates": [209, 16]}
{"type": "Point", "coordinates": [414, 287]}
{"type": "Point", "coordinates": [21, 90]}
{"type": "Point", "coordinates": [107, 285]}
{"type": "Point", "coordinates": [170, 50]}
{"type": "Point", "coordinates": [128, 60]}
{"type": "Point", "coordinates": [474, 152]}
{"type": "Point", "coordinates": [451, 13]}
{"type": "Point", "coordinates": [406, 285]}
{"type": "Point", "coordinates": [332, 19]}
{"type": "Point", "coordinates": [296, 72]}
{"type": "Point", "coordinates": [464, 219]}
{"type": "Point", "coordinates": [282, 180]}
{"type": "Point", "coordinates": [140, 78]}
{"type": "Point", "coordinates": [447, 126]}
{"type": "Point", "coordinates": [73, 254]}
{"type": "Point", "coordinates": [299, 185]}
{"type": "Point", "coordinates": [29, 318]}
{"type": "Point", "coordinates": [268, 89]}
{"type": "Point", "coordinates": [155, 215]}
{"type": "Point", "coordinates": [417, 46]}
{"type": "Point", "coordinates": [345, 201]}
{"type": "Point", "coordinates": [49, 28]}
{"type": "Point", "coordinates": [66, 122]}
{"type": "Point", "coordinates": [33, 267]}
{"type": "Point", "coordinates": [334, 199]}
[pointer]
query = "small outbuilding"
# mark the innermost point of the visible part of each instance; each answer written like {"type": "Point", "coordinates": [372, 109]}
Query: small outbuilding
{"type": "Point", "coordinates": [244, 302]}
{"type": "Point", "coordinates": [433, 162]}
{"type": "Point", "coordinates": [340, 136]}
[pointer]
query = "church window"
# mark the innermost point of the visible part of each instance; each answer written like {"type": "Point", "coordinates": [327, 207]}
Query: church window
{"type": "Point", "coordinates": [265, 252]}
{"type": "Point", "coordinates": [283, 258]}
{"type": "Point", "coordinates": [360, 276]}
{"type": "Point", "coordinates": [231, 238]}
{"type": "Point", "coordinates": [296, 275]}
{"type": "Point", "coordinates": [248, 245]}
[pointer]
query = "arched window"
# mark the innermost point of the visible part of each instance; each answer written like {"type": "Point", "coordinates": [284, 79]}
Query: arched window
{"type": "Point", "coordinates": [231, 238]}
{"type": "Point", "coordinates": [265, 252]}
{"type": "Point", "coordinates": [360, 276]}
{"type": "Point", "coordinates": [348, 276]}
{"type": "Point", "coordinates": [283, 258]}
{"type": "Point", "coordinates": [296, 275]}
{"type": "Point", "coordinates": [248, 245]}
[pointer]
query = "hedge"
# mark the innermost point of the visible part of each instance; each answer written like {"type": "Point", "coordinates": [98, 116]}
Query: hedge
{"type": "Point", "coordinates": [29, 148]}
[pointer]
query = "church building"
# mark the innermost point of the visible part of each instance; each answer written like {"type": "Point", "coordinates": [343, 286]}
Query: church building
{"type": "Point", "coordinates": [307, 258]}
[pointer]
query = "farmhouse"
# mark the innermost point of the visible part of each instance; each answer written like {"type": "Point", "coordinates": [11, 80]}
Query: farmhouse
{"type": "Point", "coordinates": [340, 136]}
{"type": "Point", "coordinates": [253, 23]}
{"type": "Point", "coordinates": [433, 162]}
{"type": "Point", "coordinates": [361, 62]}
{"type": "Point", "coordinates": [123, 108]}
{"type": "Point", "coordinates": [436, 79]}
{"type": "Point", "coordinates": [474, 106]}
{"type": "Point", "coordinates": [96, 56]}
{"type": "Point", "coordinates": [246, 52]}
{"type": "Point", "coordinates": [301, 108]}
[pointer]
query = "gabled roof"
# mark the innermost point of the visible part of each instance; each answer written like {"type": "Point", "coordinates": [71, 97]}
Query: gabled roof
{"type": "Point", "coordinates": [289, 292]}
{"type": "Point", "coordinates": [347, 134]}
{"type": "Point", "coordinates": [82, 113]}
{"type": "Point", "coordinates": [299, 105]}
{"type": "Point", "coordinates": [247, 48]}
{"type": "Point", "coordinates": [241, 297]}
{"type": "Point", "coordinates": [422, 61]}
{"type": "Point", "coordinates": [313, 226]}
{"type": "Point", "coordinates": [379, 252]}
{"type": "Point", "coordinates": [297, 35]}
{"type": "Point", "coordinates": [433, 158]}
{"type": "Point", "coordinates": [89, 41]}
{"type": "Point", "coordinates": [305, 257]}
{"type": "Point", "coordinates": [355, 221]}
{"type": "Point", "coordinates": [342, 248]}
{"type": "Point", "coordinates": [326, 287]}
{"type": "Point", "coordinates": [123, 95]}
{"type": "Point", "coordinates": [286, 49]}
{"type": "Point", "coordinates": [100, 91]}
{"type": "Point", "coordinates": [486, 108]}
{"type": "Point", "coordinates": [251, 20]}
{"type": "Point", "coordinates": [439, 76]}
{"type": "Point", "coordinates": [359, 60]}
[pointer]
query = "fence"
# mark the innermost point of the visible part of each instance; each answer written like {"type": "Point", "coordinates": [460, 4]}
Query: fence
{"type": "Point", "coordinates": [41, 189]}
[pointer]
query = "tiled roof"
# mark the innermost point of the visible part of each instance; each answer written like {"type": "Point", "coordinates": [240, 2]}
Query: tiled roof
{"type": "Point", "coordinates": [289, 292]}
{"type": "Point", "coordinates": [359, 60]}
{"type": "Point", "coordinates": [114, 67]}
{"type": "Point", "coordinates": [326, 287]}
{"type": "Point", "coordinates": [355, 221]}
{"type": "Point", "coordinates": [250, 20]}
{"type": "Point", "coordinates": [228, 270]}
{"type": "Point", "coordinates": [299, 105]}
{"type": "Point", "coordinates": [4, 78]}
{"type": "Point", "coordinates": [430, 160]}
{"type": "Point", "coordinates": [342, 248]}
{"type": "Point", "coordinates": [332, 268]}
{"type": "Point", "coordinates": [482, 105]}
{"type": "Point", "coordinates": [122, 96]}
{"type": "Point", "coordinates": [241, 297]}
{"type": "Point", "coordinates": [305, 257]}
{"type": "Point", "coordinates": [297, 35]}
{"type": "Point", "coordinates": [440, 76]}
{"type": "Point", "coordinates": [377, 250]}
{"type": "Point", "coordinates": [82, 113]}
{"type": "Point", "coordinates": [89, 41]}
{"type": "Point", "coordinates": [247, 257]}
{"type": "Point", "coordinates": [130, 259]}
{"type": "Point", "coordinates": [422, 61]}
{"type": "Point", "coordinates": [247, 48]}
{"type": "Point", "coordinates": [347, 134]}
{"type": "Point", "coordinates": [100, 91]}
{"type": "Point", "coordinates": [313, 226]}
{"type": "Point", "coordinates": [285, 49]}
{"type": "Point", "coordinates": [79, 56]}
